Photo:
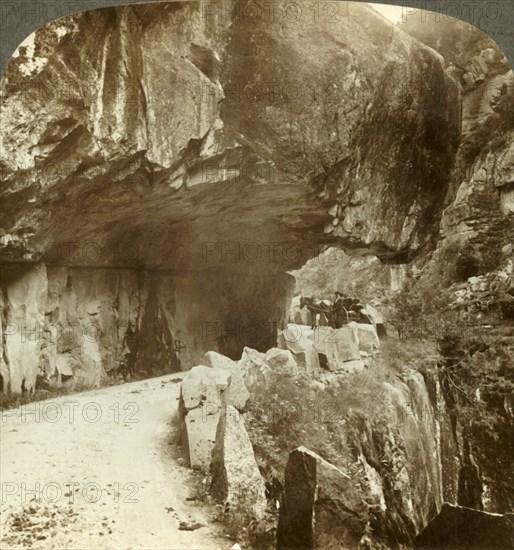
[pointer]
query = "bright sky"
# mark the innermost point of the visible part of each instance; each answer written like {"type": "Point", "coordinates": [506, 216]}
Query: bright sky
{"type": "Point", "coordinates": [393, 13]}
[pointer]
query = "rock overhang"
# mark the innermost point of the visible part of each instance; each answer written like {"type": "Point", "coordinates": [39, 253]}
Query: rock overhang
{"type": "Point", "coordinates": [247, 145]}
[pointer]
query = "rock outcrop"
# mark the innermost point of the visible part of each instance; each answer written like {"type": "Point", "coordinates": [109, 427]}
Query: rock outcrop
{"type": "Point", "coordinates": [174, 139]}
{"type": "Point", "coordinates": [477, 221]}
{"type": "Point", "coordinates": [474, 258]}
{"type": "Point", "coordinates": [321, 508]}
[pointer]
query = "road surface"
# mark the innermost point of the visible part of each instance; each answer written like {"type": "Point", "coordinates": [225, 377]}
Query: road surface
{"type": "Point", "coordinates": [102, 469]}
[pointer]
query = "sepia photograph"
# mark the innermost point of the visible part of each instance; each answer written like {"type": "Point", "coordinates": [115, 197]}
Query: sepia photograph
{"type": "Point", "coordinates": [257, 275]}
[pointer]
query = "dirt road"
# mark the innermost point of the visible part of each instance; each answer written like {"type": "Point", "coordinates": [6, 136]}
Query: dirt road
{"type": "Point", "coordinates": [101, 469]}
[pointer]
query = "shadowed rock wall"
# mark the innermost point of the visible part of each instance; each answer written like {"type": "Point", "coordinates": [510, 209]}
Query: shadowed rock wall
{"type": "Point", "coordinates": [69, 325]}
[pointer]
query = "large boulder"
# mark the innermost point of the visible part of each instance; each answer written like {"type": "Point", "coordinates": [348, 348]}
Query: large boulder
{"type": "Point", "coordinates": [236, 480]}
{"type": "Point", "coordinates": [322, 509]}
{"type": "Point", "coordinates": [282, 362]}
{"type": "Point", "coordinates": [201, 405]}
{"type": "Point", "coordinates": [256, 371]}
{"type": "Point", "coordinates": [236, 394]}
{"type": "Point", "coordinates": [367, 337]}
{"type": "Point", "coordinates": [457, 527]}
{"type": "Point", "coordinates": [203, 385]}
{"type": "Point", "coordinates": [302, 348]}
{"type": "Point", "coordinates": [335, 346]}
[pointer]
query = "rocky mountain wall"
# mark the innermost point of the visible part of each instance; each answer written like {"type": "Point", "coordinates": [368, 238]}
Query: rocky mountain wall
{"type": "Point", "coordinates": [224, 148]}
{"type": "Point", "coordinates": [477, 223]}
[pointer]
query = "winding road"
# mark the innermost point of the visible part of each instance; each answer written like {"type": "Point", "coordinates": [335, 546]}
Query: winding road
{"type": "Point", "coordinates": [102, 469]}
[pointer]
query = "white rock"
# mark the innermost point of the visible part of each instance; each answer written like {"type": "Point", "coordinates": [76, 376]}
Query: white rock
{"type": "Point", "coordinates": [282, 361]}
{"type": "Point", "coordinates": [236, 394]}
{"type": "Point", "coordinates": [336, 345]}
{"type": "Point", "coordinates": [203, 385]}
{"type": "Point", "coordinates": [236, 479]}
{"type": "Point", "coordinates": [366, 336]}
{"type": "Point", "coordinates": [302, 348]}
{"type": "Point", "coordinates": [256, 372]}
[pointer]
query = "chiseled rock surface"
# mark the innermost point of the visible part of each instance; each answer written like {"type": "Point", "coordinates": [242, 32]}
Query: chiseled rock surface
{"type": "Point", "coordinates": [302, 348]}
{"type": "Point", "coordinates": [282, 362]}
{"type": "Point", "coordinates": [81, 326]}
{"type": "Point", "coordinates": [322, 508]}
{"type": "Point", "coordinates": [459, 527]}
{"type": "Point", "coordinates": [474, 255]}
{"type": "Point", "coordinates": [150, 118]}
{"type": "Point", "coordinates": [201, 405]}
{"type": "Point", "coordinates": [255, 369]}
{"type": "Point", "coordinates": [76, 325]}
{"type": "Point", "coordinates": [336, 345]}
{"type": "Point", "coordinates": [236, 394]}
{"type": "Point", "coordinates": [366, 336]}
{"type": "Point", "coordinates": [236, 479]}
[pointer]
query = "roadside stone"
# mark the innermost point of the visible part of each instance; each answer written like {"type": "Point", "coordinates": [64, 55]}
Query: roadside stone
{"type": "Point", "coordinates": [236, 480]}
{"type": "Point", "coordinates": [236, 394]}
{"type": "Point", "coordinates": [322, 509]}
{"type": "Point", "coordinates": [200, 407]}
{"type": "Point", "coordinates": [256, 372]}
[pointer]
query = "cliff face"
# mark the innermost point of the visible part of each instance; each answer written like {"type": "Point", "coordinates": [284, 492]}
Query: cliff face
{"type": "Point", "coordinates": [478, 222]}
{"type": "Point", "coordinates": [474, 260]}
